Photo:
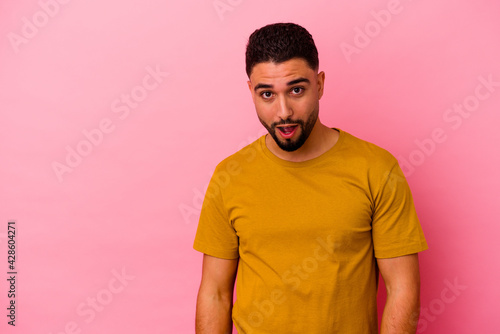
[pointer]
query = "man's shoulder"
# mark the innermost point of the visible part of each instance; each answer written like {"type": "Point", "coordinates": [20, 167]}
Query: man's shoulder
{"type": "Point", "coordinates": [245, 155]}
{"type": "Point", "coordinates": [367, 151]}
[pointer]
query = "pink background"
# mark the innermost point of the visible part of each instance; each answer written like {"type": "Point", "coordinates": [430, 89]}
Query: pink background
{"type": "Point", "coordinates": [131, 202]}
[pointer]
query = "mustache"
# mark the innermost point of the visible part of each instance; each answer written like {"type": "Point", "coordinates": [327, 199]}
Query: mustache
{"type": "Point", "coordinates": [284, 122]}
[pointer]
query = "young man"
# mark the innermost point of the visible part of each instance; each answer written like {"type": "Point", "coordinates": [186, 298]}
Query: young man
{"type": "Point", "coordinates": [307, 215]}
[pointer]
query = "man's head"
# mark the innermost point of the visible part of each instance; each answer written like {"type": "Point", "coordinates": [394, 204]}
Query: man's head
{"type": "Point", "coordinates": [282, 66]}
{"type": "Point", "coordinates": [278, 43]}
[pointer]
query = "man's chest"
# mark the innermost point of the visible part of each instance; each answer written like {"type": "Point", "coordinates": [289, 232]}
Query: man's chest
{"type": "Point", "coordinates": [284, 209]}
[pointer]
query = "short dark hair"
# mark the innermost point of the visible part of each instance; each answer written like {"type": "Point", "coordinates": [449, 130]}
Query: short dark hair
{"type": "Point", "coordinates": [278, 43]}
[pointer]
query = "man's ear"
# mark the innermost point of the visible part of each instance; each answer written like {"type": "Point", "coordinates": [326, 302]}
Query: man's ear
{"type": "Point", "coordinates": [250, 87]}
{"type": "Point", "coordinates": [321, 84]}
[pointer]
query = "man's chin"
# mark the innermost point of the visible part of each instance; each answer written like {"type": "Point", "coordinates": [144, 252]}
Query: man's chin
{"type": "Point", "coordinates": [288, 145]}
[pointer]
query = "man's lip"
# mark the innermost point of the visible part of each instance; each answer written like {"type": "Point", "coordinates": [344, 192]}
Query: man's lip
{"type": "Point", "coordinates": [286, 125]}
{"type": "Point", "coordinates": [290, 134]}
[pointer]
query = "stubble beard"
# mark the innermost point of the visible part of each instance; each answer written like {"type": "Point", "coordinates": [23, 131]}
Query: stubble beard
{"type": "Point", "coordinates": [289, 144]}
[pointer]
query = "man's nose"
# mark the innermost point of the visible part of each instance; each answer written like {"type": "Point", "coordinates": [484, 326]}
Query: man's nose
{"type": "Point", "coordinates": [284, 110]}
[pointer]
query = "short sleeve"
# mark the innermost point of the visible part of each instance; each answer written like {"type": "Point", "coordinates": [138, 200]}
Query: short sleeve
{"type": "Point", "coordinates": [396, 230]}
{"type": "Point", "coordinates": [215, 235]}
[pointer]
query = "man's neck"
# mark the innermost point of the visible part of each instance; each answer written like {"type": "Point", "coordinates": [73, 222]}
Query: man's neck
{"type": "Point", "coordinates": [321, 139]}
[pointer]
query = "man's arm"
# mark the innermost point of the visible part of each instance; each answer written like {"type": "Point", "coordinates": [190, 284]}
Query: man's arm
{"type": "Point", "coordinates": [402, 281]}
{"type": "Point", "coordinates": [215, 297]}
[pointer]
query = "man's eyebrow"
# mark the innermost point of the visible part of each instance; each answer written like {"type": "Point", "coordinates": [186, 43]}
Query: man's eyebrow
{"type": "Point", "coordinates": [261, 86]}
{"type": "Point", "coordinates": [299, 80]}
{"type": "Point", "coordinates": [293, 82]}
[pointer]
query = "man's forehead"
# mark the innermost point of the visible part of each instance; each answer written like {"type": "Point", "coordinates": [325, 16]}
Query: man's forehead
{"type": "Point", "coordinates": [284, 71]}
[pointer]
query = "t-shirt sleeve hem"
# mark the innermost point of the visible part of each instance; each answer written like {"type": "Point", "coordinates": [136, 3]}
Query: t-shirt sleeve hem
{"type": "Point", "coordinates": [407, 250]}
{"type": "Point", "coordinates": [223, 254]}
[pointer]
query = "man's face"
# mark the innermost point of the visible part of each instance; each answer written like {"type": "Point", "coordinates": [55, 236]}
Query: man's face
{"type": "Point", "coordinates": [286, 98]}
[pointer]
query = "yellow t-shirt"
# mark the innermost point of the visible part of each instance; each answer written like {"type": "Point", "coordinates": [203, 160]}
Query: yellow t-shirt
{"type": "Point", "coordinates": [307, 235]}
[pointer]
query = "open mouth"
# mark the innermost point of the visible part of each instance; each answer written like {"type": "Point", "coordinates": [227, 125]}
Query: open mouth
{"type": "Point", "coordinates": [287, 131]}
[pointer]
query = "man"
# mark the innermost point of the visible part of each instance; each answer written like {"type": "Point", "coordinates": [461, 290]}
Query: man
{"type": "Point", "coordinates": [307, 215]}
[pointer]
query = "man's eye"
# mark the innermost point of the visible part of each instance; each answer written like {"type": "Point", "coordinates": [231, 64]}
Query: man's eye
{"type": "Point", "coordinates": [297, 90]}
{"type": "Point", "coordinates": [266, 95]}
